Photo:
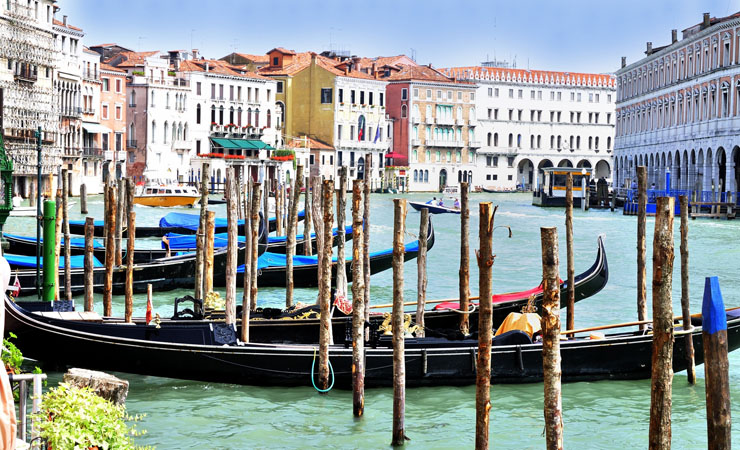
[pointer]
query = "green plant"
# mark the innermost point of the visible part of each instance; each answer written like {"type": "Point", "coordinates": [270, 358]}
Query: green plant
{"type": "Point", "coordinates": [171, 73]}
{"type": "Point", "coordinates": [11, 356]}
{"type": "Point", "coordinates": [138, 72]}
{"type": "Point", "coordinates": [73, 417]}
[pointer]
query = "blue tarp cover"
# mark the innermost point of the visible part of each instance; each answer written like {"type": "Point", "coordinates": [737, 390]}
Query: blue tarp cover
{"type": "Point", "coordinates": [98, 223]}
{"type": "Point", "coordinates": [77, 261]}
{"type": "Point", "coordinates": [183, 241]}
{"type": "Point", "coordinates": [268, 259]}
{"type": "Point", "coordinates": [74, 242]}
{"type": "Point", "coordinates": [191, 221]}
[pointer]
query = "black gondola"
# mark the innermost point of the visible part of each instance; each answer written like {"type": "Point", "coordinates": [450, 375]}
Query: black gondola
{"type": "Point", "coordinates": [209, 354]}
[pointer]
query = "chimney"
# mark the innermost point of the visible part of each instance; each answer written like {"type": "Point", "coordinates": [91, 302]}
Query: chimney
{"type": "Point", "coordinates": [704, 23]}
{"type": "Point", "coordinates": [195, 53]}
{"type": "Point", "coordinates": [207, 66]}
{"type": "Point", "coordinates": [624, 62]}
{"type": "Point", "coordinates": [64, 20]}
{"type": "Point", "coordinates": [674, 36]}
{"type": "Point", "coordinates": [346, 69]}
{"type": "Point", "coordinates": [649, 48]}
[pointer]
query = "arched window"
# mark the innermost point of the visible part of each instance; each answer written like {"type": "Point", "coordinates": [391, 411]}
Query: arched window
{"type": "Point", "coordinates": [416, 113]}
{"type": "Point", "coordinates": [429, 114]}
{"type": "Point", "coordinates": [153, 98]}
{"type": "Point", "coordinates": [166, 132]}
{"type": "Point", "coordinates": [269, 119]}
{"type": "Point", "coordinates": [167, 101]}
{"type": "Point", "coordinates": [596, 143]}
{"type": "Point", "coordinates": [231, 115]}
{"type": "Point", "coordinates": [403, 111]}
{"type": "Point", "coordinates": [416, 132]}
{"type": "Point", "coordinates": [459, 113]}
{"type": "Point", "coordinates": [213, 115]}
{"type": "Point", "coordinates": [428, 156]}
{"type": "Point", "coordinates": [495, 139]}
{"type": "Point", "coordinates": [154, 131]}
{"type": "Point", "coordinates": [221, 115]}
{"type": "Point", "coordinates": [489, 138]}
{"type": "Point", "coordinates": [519, 141]}
{"type": "Point", "coordinates": [239, 116]}
{"type": "Point", "coordinates": [426, 176]}
{"type": "Point", "coordinates": [185, 132]}
{"type": "Point", "coordinates": [531, 141]}
{"type": "Point", "coordinates": [197, 113]}
{"type": "Point", "coordinates": [416, 175]}
{"type": "Point", "coordinates": [511, 140]}
{"type": "Point", "coordinates": [472, 114]}
{"type": "Point", "coordinates": [608, 143]}
{"type": "Point", "coordinates": [257, 118]}
{"type": "Point", "coordinates": [590, 142]}
{"type": "Point", "coordinates": [539, 141]}
{"type": "Point", "coordinates": [249, 117]}
{"type": "Point", "coordinates": [133, 98]}
{"type": "Point", "coordinates": [578, 142]}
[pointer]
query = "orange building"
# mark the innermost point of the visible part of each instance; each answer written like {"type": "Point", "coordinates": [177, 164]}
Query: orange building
{"type": "Point", "coordinates": [113, 116]}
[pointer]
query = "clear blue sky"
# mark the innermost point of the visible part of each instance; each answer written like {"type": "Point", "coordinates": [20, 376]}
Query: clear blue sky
{"type": "Point", "coordinates": [568, 35]}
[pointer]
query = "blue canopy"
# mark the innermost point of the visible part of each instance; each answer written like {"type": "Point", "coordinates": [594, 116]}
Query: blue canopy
{"type": "Point", "coordinates": [77, 261]}
{"type": "Point", "coordinates": [269, 259]}
{"type": "Point", "coordinates": [187, 241]}
{"type": "Point", "coordinates": [74, 242]}
{"type": "Point", "coordinates": [191, 221]}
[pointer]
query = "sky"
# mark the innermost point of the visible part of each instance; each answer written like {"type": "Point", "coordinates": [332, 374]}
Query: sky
{"type": "Point", "coordinates": [566, 35]}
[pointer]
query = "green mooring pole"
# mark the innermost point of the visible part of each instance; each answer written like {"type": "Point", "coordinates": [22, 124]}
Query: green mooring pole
{"type": "Point", "coordinates": [49, 247]}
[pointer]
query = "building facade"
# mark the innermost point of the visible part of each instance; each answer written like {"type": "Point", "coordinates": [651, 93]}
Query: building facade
{"type": "Point", "coordinates": [678, 110]}
{"type": "Point", "coordinates": [28, 98]}
{"type": "Point", "coordinates": [92, 154]}
{"type": "Point", "coordinates": [533, 119]}
{"type": "Point", "coordinates": [114, 136]}
{"type": "Point", "coordinates": [434, 126]}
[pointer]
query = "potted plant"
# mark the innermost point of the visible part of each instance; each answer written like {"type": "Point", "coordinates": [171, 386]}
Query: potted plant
{"type": "Point", "coordinates": [73, 417]}
{"type": "Point", "coordinates": [11, 356]}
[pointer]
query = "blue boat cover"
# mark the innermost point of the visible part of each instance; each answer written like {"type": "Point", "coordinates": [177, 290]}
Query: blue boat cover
{"type": "Point", "coordinates": [187, 241]}
{"type": "Point", "coordinates": [77, 261]}
{"type": "Point", "coordinates": [74, 242]}
{"type": "Point", "coordinates": [191, 221]}
{"type": "Point", "coordinates": [269, 259]}
{"type": "Point", "coordinates": [98, 223]}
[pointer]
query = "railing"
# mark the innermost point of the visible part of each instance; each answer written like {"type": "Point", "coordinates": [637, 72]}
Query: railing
{"type": "Point", "coordinates": [631, 195]}
{"type": "Point", "coordinates": [72, 112]}
{"type": "Point", "coordinates": [89, 111]}
{"type": "Point", "coordinates": [132, 105]}
{"type": "Point", "coordinates": [27, 75]}
{"type": "Point", "coordinates": [22, 382]}
{"type": "Point", "coordinates": [444, 121]}
{"type": "Point", "coordinates": [474, 144]}
{"type": "Point", "coordinates": [92, 74]}
{"type": "Point", "coordinates": [92, 152]}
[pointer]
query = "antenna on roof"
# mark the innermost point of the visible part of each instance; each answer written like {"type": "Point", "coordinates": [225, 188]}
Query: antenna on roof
{"type": "Point", "coordinates": [413, 55]}
{"type": "Point", "coordinates": [140, 39]}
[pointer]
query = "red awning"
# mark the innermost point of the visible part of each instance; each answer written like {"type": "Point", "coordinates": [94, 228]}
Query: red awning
{"type": "Point", "coordinates": [393, 155]}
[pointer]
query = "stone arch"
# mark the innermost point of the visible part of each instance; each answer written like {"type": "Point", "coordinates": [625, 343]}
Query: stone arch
{"type": "Point", "coordinates": [721, 164]}
{"type": "Point", "coordinates": [602, 169]}
{"type": "Point", "coordinates": [565, 163]}
{"type": "Point", "coordinates": [584, 163]}
{"type": "Point", "coordinates": [525, 173]}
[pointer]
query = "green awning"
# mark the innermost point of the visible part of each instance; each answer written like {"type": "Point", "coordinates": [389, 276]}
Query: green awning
{"type": "Point", "coordinates": [245, 144]}
{"type": "Point", "coordinates": [225, 143]}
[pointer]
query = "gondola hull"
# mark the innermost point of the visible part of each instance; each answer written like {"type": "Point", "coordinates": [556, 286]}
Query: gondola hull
{"type": "Point", "coordinates": [429, 361]}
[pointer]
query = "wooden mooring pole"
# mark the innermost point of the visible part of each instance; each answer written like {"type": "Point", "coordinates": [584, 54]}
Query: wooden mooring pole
{"type": "Point", "coordinates": [399, 359]}
{"type": "Point", "coordinates": [716, 367]}
{"type": "Point", "coordinates": [307, 245]}
{"type": "Point", "coordinates": [232, 245]}
{"type": "Point", "coordinates": [247, 286]}
{"type": "Point", "coordinates": [120, 214]}
{"type": "Point", "coordinates": [421, 272]}
{"type": "Point", "coordinates": [662, 357]}
{"type": "Point", "coordinates": [66, 178]}
{"type": "Point", "coordinates": [485, 325]}
{"type": "Point", "coordinates": [571, 292]}
{"type": "Point", "coordinates": [208, 250]}
{"type": "Point", "coordinates": [200, 236]}
{"type": "Point", "coordinates": [551, 365]}
{"type": "Point", "coordinates": [325, 252]}
{"type": "Point", "coordinates": [58, 208]}
{"type": "Point", "coordinates": [641, 252]}
{"type": "Point", "coordinates": [318, 219]}
{"type": "Point", "coordinates": [255, 244]}
{"type": "Point", "coordinates": [358, 304]}
{"type": "Point", "coordinates": [83, 198]}
{"type": "Point", "coordinates": [685, 310]}
{"type": "Point", "coordinates": [129, 307]}
{"type": "Point", "coordinates": [464, 272]}
{"type": "Point", "coordinates": [110, 253]}
{"type": "Point", "coordinates": [341, 280]}
{"type": "Point", "coordinates": [89, 239]}
{"type": "Point", "coordinates": [366, 237]}
{"type": "Point", "coordinates": [295, 198]}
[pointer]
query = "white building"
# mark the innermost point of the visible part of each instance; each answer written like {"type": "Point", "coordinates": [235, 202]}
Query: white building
{"type": "Point", "coordinates": [92, 153]}
{"type": "Point", "coordinates": [535, 119]}
{"type": "Point", "coordinates": [27, 60]}
{"type": "Point", "coordinates": [232, 113]}
{"type": "Point", "coordinates": [678, 110]}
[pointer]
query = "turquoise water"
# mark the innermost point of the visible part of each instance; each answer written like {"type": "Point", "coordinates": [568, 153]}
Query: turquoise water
{"type": "Point", "coordinates": [599, 415]}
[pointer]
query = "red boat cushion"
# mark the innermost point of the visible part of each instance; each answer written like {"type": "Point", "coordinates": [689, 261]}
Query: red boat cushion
{"type": "Point", "coordinates": [496, 298]}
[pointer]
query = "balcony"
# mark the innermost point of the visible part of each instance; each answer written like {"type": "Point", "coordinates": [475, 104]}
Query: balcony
{"type": "Point", "coordinates": [444, 121]}
{"type": "Point", "coordinates": [446, 144]}
{"type": "Point", "coordinates": [74, 112]}
{"type": "Point", "coordinates": [91, 74]}
{"type": "Point", "coordinates": [131, 143]}
{"type": "Point", "coordinates": [474, 144]}
{"type": "Point", "coordinates": [417, 142]}
{"type": "Point", "coordinates": [113, 155]}
{"type": "Point", "coordinates": [92, 152]}
{"type": "Point", "coordinates": [26, 76]}
{"type": "Point", "coordinates": [89, 111]}
{"type": "Point", "coordinates": [416, 119]}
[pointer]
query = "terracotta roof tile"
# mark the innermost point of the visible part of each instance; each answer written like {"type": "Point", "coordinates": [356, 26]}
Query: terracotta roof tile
{"type": "Point", "coordinates": [283, 51]}
{"type": "Point", "coordinates": [302, 61]}
{"type": "Point", "coordinates": [110, 68]}
{"type": "Point", "coordinates": [255, 58]}
{"type": "Point", "coordinates": [218, 67]}
{"type": "Point", "coordinates": [61, 24]}
{"type": "Point", "coordinates": [133, 59]}
{"type": "Point", "coordinates": [473, 73]}
{"type": "Point", "coordinates": [418, 73]}
{"type": "Point", "coordinates": [307, 142]}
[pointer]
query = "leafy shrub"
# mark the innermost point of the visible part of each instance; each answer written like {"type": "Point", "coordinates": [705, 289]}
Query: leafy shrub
{"type": "Point", "coordinates": [11, 356]}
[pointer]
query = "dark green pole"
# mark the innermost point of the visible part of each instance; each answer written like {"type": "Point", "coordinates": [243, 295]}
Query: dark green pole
{"type": "Point", "coordinates": [39, 217]}
{"type": "Point", "coordinates": [49, 248]}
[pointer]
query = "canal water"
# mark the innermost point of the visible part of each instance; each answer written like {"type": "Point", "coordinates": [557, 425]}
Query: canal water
{"type": "Point", "coordinates": [599, 415]}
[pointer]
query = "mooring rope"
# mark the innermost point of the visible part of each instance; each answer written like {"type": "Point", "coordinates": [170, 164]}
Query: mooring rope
{"type": "Point", "coordinates": [313, 364]}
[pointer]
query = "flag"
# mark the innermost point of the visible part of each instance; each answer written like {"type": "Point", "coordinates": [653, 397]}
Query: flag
{"type": "Point", "coordinates": [148, 310]}
{"type": "Point", "coordinates": [377, 134]}
{"type": "Point", "coordinates": [16, 288]}
{"type": "Point", "coordinates": [343, 304]}
{"type": "Point", "coordinates": [360, 128]}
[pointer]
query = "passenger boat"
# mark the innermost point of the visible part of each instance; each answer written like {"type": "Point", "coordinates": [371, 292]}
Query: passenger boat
{"type": "Point", "coordinates": [552, 190]}
{"type": "Point", "coordinates": [166, 195]}
{"type": "Point", "coordinates": [207, 351]}
{"type": "Point", "coordinates": [434, 209]}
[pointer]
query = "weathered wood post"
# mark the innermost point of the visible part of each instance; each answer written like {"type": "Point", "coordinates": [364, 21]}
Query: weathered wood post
{"type": "Point", "coordinates": [685, 310]}
{"type": "Point", "coordinates": [200, 236]}
{"type": "Point", "coordinates": [571, 293]}
{"type": "Point", "coordinates": [307, 246]}
{"type": "Point", "coordinates": [278, 209]}
{"type": "Point", "coordinates": [110, 253]}
{"type": "Point", "coordinates": [399, 360]}
{"type": "Point", "coordinates": [318, 222]}
{"type": "Point", "coordinates": [464, 258]}
{"type": "Point", "coordinates": [325, 282]}
{"type": "Point", "coordinates": [341, 280]}
{"type": "Point", "coordinates": [83, 198]}
{"type": "Point", "coordinates": [614, 199]}
{"type": "Point", "coordinates": [366, 239]}
{"type": "Point", "coordinates": [232, 245]}
{"type": "Point", "coordinates": [247, 287]}
{"type": "Point", "coordinates": [662, 358]}
{"type": "Point", "coordinates": [120, 214]}
{"type": "Point", "coordinates": [716, 366]}
{"type": "Point", "coordinates": [641, 252]}
{"type": "Point", "coordinates": [255, 244]}
{"type": "Point", "coordinates": [89, 239]}
{"type": "Point", "coordinates": [485, 325]}
{"type": "Point", "coordinates": [295, 199]}
{"type": "Point", "coordinates": [208, 248]}
{"type": "Point", "coordinates": [130, 240]}
{"type": "Point", "coordinates": [58, 210]}
{"type": "Point", "coordinates": [421, 272]}
{"type": "Point", "coordinates": [358, 305]}
{"type": "Point", "coordinates": [551, 338]}
{"type": "Point", "coordinates": [66, 185]}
